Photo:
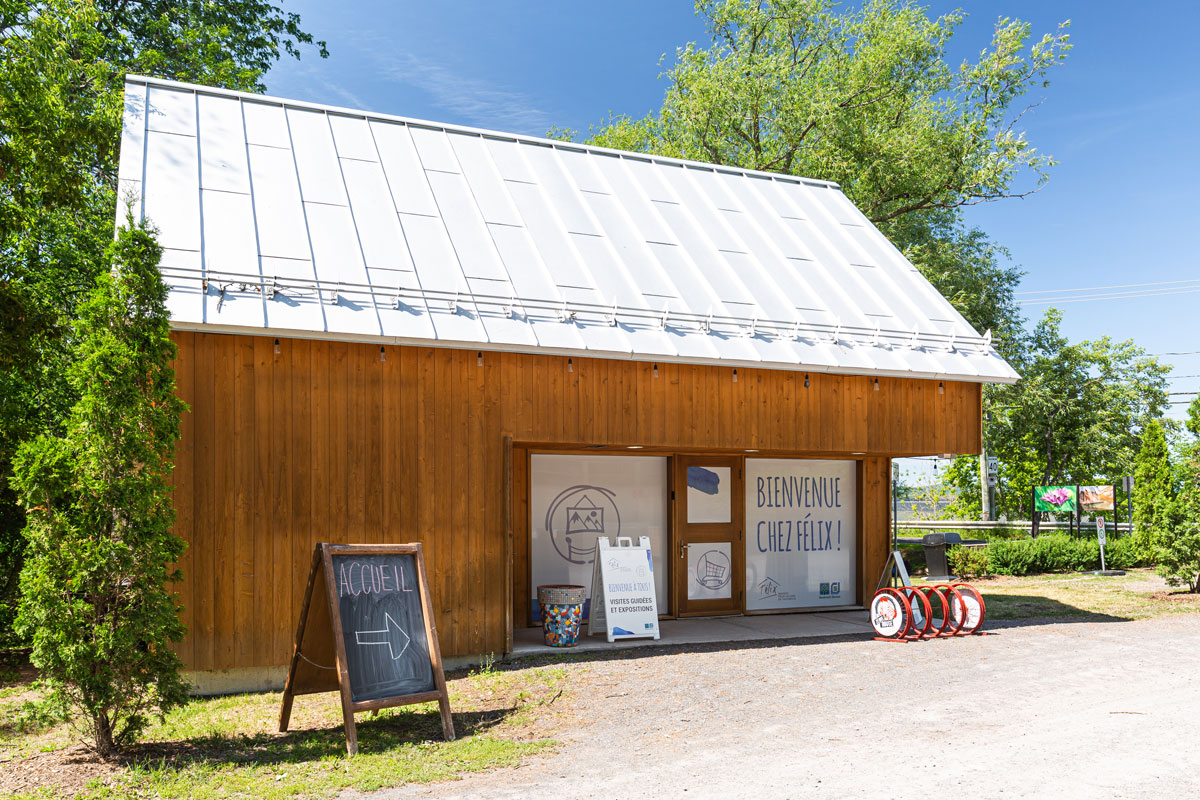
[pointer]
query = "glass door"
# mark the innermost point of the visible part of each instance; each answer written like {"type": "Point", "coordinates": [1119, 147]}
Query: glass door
{"type": "Point", "coordinates": [709, 503]}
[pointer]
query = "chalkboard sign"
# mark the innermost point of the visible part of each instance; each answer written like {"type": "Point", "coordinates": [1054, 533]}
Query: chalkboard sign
{"type": "Point", "coordinates": [383, 629]}
{"type": "Point", "coordinates": [369, 633]}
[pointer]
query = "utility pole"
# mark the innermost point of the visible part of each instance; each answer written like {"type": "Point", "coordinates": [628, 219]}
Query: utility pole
{"type": "Point", "coordinates": [987, 477]}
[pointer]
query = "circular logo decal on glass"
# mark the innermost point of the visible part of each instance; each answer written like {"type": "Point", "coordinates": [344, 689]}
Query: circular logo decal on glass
{"type": "Point", "coordinates": [577, 517]}
{"type": "Point", "coordinates": [713, 570]}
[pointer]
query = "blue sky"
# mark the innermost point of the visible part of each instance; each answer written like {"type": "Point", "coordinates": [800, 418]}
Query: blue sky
{"type": "Point", "coordinates": [1121, 116]}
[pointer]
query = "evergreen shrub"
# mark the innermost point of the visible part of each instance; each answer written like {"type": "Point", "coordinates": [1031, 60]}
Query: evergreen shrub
{"type": "Point", "coordinates": [968, 563]}
{"type": "Point", "coordinates": [1011, 557]}
{"type": "Point", "coordinates": [95, 599]}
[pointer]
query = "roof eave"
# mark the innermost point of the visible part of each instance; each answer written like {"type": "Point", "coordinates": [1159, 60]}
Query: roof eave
{"type": "Point", "coordinates": [612, 355]}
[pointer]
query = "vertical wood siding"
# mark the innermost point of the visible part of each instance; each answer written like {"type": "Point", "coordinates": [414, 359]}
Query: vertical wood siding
{"type": "Point", "coordinates": [324, 442]}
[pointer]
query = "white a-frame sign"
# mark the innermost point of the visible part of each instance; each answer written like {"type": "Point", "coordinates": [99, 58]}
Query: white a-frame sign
{"type": "Point", "coordinates": [624, 605]}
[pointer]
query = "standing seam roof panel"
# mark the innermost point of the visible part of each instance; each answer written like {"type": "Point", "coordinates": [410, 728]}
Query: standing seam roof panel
{"type": "Point", "coordinates": [293, 217]}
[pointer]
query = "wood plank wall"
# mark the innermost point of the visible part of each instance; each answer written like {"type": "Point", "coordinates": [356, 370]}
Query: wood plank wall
{"type": "Point", "coordinates": [323, 441]}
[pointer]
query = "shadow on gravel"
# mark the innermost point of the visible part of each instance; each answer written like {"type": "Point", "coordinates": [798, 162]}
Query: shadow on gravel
{"type": "Point", "coordinates": [1003, 611]}
{"type": "Point", "coordinates": [1017, 610]}
{"type": "Point", "coordinates": [651, 651]}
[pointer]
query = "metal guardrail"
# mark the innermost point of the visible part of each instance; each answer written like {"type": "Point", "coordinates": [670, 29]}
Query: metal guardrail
{"type": "Point", "coordinates": [986, 525]}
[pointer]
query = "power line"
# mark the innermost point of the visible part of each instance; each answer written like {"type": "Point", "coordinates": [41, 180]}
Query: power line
{"type": "Point", "coordinates": [1187, 353]}
{"type": "Point", "coordinates": [1037, 301]}
{"type": "Point", "coordinates": [1114, 286]}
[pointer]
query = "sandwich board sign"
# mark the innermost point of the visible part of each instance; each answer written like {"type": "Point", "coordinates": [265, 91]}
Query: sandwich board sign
{"type": "Point", "coordinates": [366, 629]}
{"type": "Point", "coordinates": [894, 566]}
{"type": "Point", "coordinates": [624, 605]}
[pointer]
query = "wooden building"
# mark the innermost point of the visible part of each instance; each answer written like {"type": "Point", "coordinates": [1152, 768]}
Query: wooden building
{"type": "Point", "coordinates": [504, 347]}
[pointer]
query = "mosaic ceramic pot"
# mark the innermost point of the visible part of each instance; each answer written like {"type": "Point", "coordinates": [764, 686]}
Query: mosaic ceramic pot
{"type": "Point", "coordinates": [562, 613]}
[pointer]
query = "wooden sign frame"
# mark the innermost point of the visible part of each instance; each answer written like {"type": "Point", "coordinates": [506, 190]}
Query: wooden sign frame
{"type": "Point", "coordinates": [308, 674]}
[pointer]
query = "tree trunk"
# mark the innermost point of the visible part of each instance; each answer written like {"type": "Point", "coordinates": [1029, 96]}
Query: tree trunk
{"type": "Point", "coordinates": [102, 725]}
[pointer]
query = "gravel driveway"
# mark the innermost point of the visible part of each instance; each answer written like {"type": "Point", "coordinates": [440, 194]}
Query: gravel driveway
{"type": "Point", "coordinates": [1036, 709]}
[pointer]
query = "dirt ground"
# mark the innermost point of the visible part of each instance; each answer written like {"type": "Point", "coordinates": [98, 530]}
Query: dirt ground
{"type": "Point", "coordinates": [1035, 709]}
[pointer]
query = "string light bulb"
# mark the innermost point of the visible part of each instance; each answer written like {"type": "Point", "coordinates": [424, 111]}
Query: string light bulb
{"type": "Point", "coordinates": [656, 370]}
{"type": "Point", "coordinates": [479, 359]}
{"type": "Point", "coordinates": [276, 347]}
{"type": "Point", "coordinates": [877, 384]}
{"type": "Point", "coordinates": [806, 380]}
{"type": "Point", "coordinates": [570, 365]}
{"type": "Point", "coordinates": [735, 376]}
{"type": "Point", "coordinates": [941, 388]}
{"type": "Point", "coordinates": [382, 355]}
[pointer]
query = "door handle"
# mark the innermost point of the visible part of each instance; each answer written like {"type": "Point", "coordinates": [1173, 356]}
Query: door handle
{"type": "Point", "coordinates": [683, 549]}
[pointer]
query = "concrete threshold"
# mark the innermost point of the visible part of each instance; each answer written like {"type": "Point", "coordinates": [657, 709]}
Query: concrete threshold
{"type": "Point", "coordinates": [709, 630]}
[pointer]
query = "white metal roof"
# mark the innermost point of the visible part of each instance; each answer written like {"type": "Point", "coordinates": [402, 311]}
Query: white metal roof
{"type": "Point", "coordinates": [322, 222]}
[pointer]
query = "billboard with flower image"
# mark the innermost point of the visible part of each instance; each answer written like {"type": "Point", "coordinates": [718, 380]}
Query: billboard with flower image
{"type": "Point", "coordinates": [1054, 498]}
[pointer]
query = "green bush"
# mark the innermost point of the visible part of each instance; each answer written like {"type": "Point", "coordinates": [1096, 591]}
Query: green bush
{"type": "Point", "coordinates": [1054, 552]}
{"type": "Point", "coordinates": [1178, 545]}
{"type": "Point", "coordinates": [1011, 557]}
{"type": "Point", "coordinates": [968, 563]}
{"type": "Point", "coordinates": [97, 494]}
{"type": "Point", "coordinates": [1124, 553]}
{"type": "Point", "coordinates": [1061, 553]}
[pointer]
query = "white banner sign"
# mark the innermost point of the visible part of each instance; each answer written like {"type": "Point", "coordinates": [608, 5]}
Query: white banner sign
{"type": "Point", "coordinates": [576, 499]}
{"type": "Point", "coordinates": [800, 533]}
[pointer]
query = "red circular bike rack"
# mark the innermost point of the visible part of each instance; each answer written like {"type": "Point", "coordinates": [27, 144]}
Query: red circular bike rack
{"type": "Point", "coordinates": [952, 623]}
{"type": "Point", "coordinates": [938, 622]}
{"type": "Point", "coordinates": [891, 615]}
{"type": "Point", "coordinates": [910, 613]}
{"type": "Point", "coordinates": [921, 611]}
{"type": "Point", "coordinates": [971, 596]}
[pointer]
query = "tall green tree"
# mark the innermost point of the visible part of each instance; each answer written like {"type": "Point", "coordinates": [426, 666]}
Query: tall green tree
{"type": "Point", "coordinates": [1154, 492]}
{"type": "Point", "coordinates": [62, 67]}
{"type": "Point", "coordinates": [1192, 423]}
{"type": "Point", "coordinates": [1077, 416]}
{"type": "Point", "coordinates": [1178, 544]}
{"type": "Point", "coordinates": [866, 97]}
{"type": "Point", "coordinates": [95, 599]}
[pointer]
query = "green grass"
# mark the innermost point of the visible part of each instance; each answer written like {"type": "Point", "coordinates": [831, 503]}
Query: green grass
{"type": "Point", "coordinates": [1139, 594]}
{"type": "Point", "coordinates": [228, 747]}
{"type": "Point", "coordinates": [314, 765]}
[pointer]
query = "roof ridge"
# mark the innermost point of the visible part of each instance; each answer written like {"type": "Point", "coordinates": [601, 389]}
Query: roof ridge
{"type": "Point", "coordinates": [487, 132]}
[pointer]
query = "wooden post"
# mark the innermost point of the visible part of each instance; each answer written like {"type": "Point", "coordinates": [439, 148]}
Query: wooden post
{"type": "Point", "coordinates": [509, 510]}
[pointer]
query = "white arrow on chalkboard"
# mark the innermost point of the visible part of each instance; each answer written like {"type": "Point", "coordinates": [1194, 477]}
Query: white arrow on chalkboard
{"type": "Point", "coordinates": [390, 635]}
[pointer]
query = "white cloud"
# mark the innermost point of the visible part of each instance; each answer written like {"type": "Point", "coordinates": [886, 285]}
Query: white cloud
{"type": "Point", "coordinates": [311, 81]}
{"type": "Point", "coordinates": [466, 100]}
